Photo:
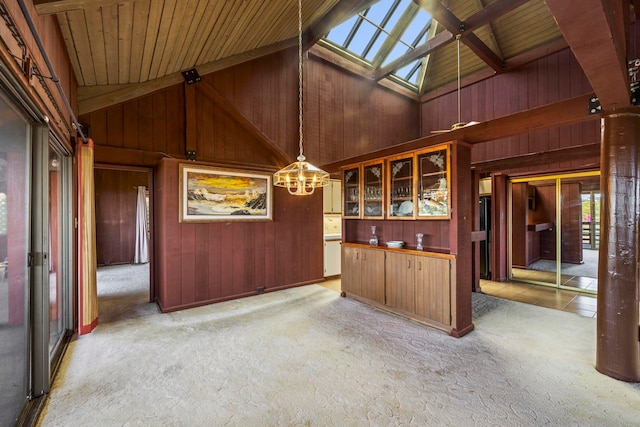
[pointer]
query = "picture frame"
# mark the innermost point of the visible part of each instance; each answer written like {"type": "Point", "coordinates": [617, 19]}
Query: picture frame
{"type": "Point", "coordinates": [209, 194]}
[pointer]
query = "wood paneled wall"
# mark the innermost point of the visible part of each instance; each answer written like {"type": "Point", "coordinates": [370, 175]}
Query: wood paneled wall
{"type": "Point", "coordinates": [347, 115]}
{"type": "Point", "coordinates": [116, 199]}
{"type": "Point", "coordinates": [201, 263]}
{"type": "Point", "coordinates": [344, 115]}
{"type": "Point", "coordinates": [549, 79]}
{"type": "Point", "coordinates": [152, 123]}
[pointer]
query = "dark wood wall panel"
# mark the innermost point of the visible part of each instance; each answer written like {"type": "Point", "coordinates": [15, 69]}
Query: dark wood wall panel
{"type": "Point", "coordinates": [436, 233]}
{"type": "Point", "coordinates": [519, 254]}
{"type": "Point", "coordinates": [571, 222]}
{"type": "Point", "coordinates": [349, 115]}
{"type": "Point", "coordinates": [547, 80]}
{"type": "Point", "coordinates": [153, 123]}
{"type": "Point", "coordinates": [116, 197]}
{"type": "Point", "coordinates": [200, 263]}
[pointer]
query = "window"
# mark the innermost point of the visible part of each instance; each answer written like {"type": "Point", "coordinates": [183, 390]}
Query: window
{"type": "Point", "coordinates": [382, 33]}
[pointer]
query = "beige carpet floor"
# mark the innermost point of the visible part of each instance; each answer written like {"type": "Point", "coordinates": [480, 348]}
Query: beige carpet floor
{"type": "Point", "coordinates": [307, 357]}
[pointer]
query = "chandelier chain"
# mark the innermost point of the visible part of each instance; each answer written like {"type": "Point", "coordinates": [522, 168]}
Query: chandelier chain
{"type": "Point", "coordinates": [300, 103]}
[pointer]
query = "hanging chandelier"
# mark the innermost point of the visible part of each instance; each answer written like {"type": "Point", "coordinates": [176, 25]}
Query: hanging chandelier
{"type": "Point", "coordinates": [301, 178]}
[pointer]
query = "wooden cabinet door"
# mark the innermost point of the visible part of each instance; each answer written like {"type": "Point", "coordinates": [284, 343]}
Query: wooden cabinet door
{"type": "Point", "coordinates": [332, 197]}
{"type": "Point", "coordinates": [351, 270]}
{"type": "Point", "coordinates": [336, 196]}
{"type": "Point", "coordinates": [372, 274]}
{"type": "Point", "coordinates": [400, 287]}
{"type": "Point", "coordinates": [432, 289]}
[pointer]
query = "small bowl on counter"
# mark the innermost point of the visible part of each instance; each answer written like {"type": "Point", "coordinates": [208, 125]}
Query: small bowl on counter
{"type": "Point", "coordinates": [395, 244]}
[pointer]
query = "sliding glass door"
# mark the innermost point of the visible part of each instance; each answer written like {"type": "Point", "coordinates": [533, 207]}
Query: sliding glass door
{"type": "Point", "coordinates": [35, 257]}
{"type": "Point", "coordinates": [15, 158]}
{"type": "Point", "coordinates": [554, 230]}
{"type": "Point", "coordinates": [59, 234]}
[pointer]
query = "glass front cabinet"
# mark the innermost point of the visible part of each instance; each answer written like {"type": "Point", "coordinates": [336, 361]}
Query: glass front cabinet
{"type": "Point", "coordinates": [411, 186]}
{"type": "Point", "coordinates": [351, 192]}
{"type": "Point", "coordinates": [373, 190]}
{"type": "Point", "coordinates": [433, 183]}
{"type": "Point", "coordinates": [401, 187]}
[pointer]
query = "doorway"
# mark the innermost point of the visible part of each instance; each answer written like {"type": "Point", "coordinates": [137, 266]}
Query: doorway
{"type": "Point", "coordinates": [117, 194]}
{"type": "Point", "coordinates": [554, 230]}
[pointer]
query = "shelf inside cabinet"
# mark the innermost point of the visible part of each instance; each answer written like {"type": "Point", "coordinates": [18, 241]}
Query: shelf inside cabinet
{"type": "Point", "coordinates": [424, 175]}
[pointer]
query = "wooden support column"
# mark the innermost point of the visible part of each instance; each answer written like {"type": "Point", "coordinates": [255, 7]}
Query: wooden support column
{"type": "Point", "coordinates": [618, 323]}
{"type": "Point", "coordinates": [460, 238]}
{"type": "Point", "coordinates": [499, 236]}
{"type": "Point", "coordinates": [191, 134]}
{"type": "Point", "coordinates": [476, 235]}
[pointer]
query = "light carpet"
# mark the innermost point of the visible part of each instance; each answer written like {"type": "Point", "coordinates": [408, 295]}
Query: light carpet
{"type": "Point", "coordinates": [307, 357]}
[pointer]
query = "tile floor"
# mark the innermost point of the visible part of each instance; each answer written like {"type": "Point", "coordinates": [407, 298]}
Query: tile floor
{"type": "Point", "coordinates": [558, 299]}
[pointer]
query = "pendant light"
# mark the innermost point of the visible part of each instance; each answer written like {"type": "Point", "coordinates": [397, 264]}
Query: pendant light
{"type": "Point", "coordinates": [301, 178]}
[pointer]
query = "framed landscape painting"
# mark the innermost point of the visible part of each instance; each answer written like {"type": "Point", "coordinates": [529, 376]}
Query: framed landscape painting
{"type": "Point", "coordinates": [213, 194]}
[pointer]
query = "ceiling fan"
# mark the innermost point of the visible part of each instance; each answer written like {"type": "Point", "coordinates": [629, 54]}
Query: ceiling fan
{"type": "Point", "coordinates": [460, 124]}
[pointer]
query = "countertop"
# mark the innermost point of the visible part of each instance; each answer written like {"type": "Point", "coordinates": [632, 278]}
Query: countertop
{"type": "Point", "coordinates": [435, 252]}
{"type": "Point", "coordinates": [331, 237]}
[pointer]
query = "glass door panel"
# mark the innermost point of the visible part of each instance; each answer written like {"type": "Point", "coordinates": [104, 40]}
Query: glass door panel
{"type": "Point", "coordinates": [580, 198]}
{"type": "Point", "coordinates": [56, 325]}
{"type": "Point", "coordinates": [533, 231]}
{"type": "Point", "coordinates": [400, 187]}
{"type": "Point", "coordinates": [433, 184]}
{"type": "Point", "coordinates": [373, 176]}
{"type": "Point", "coordinates": [14, 275]}
{"type": "Point", "coordinates": [351, 193]}
{"type": "Point", "coordinates": [555, 230]}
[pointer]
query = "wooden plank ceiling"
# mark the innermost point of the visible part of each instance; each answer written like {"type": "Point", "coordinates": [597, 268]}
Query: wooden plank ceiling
{"type": "Point", "coordinates": [122, 49]}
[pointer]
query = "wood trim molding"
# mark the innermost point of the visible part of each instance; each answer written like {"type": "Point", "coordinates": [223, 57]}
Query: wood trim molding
{"type": "Point", "coordinates": [541, 158]}
{"type": "Point", "coordinates": [191, 121]}
{"type": "Point", "coordinates": [49, 7]}
{"type": "Point", "coordinates": [568, 111]}
{"type": "Point", "coordinates": [93, 98]}
{"type": "Point", "coordinates": [599, 47]}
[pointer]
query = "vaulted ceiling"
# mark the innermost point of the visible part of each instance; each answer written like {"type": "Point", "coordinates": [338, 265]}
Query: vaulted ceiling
{"type": "Point", "coordinates": [121, 49]}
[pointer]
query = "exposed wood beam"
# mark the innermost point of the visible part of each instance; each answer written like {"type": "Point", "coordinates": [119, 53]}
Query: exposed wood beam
{"type": "Point", "coordinates": [191, 120]}
{"type": "Point", "coordinates": [125, 156]}
{"type": "Point", "coordinates": [475, 21]}
{"type": "Point", "coordinates": [230, 109]}
{"type": "Point", "coordinates": [440, 40]}
{"type": "Point", "coordinates": [598, 42]}
{"type": "Point", "coordinates": [92, 99]}
{"type": "Point", "coordinates": [491, 12]}
{"type": "Point", "coordinates": [580, 152]}
{"type": "Point", "coordinates": [109, 156]}
{"type": "Point", "coordinates": [48, 7]}
{"type": "Point", "coordinates": [343, 10]}
{"type": "Point", "coordinates": [484, 52]}
{"type": "Point", "coordinates": [450, 22]}
{"type": "Point", "coordinates": [568, 111]}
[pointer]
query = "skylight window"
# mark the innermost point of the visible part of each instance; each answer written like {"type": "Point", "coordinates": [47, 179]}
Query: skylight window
{"type": "Point", "coordinates": [383, 33]}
